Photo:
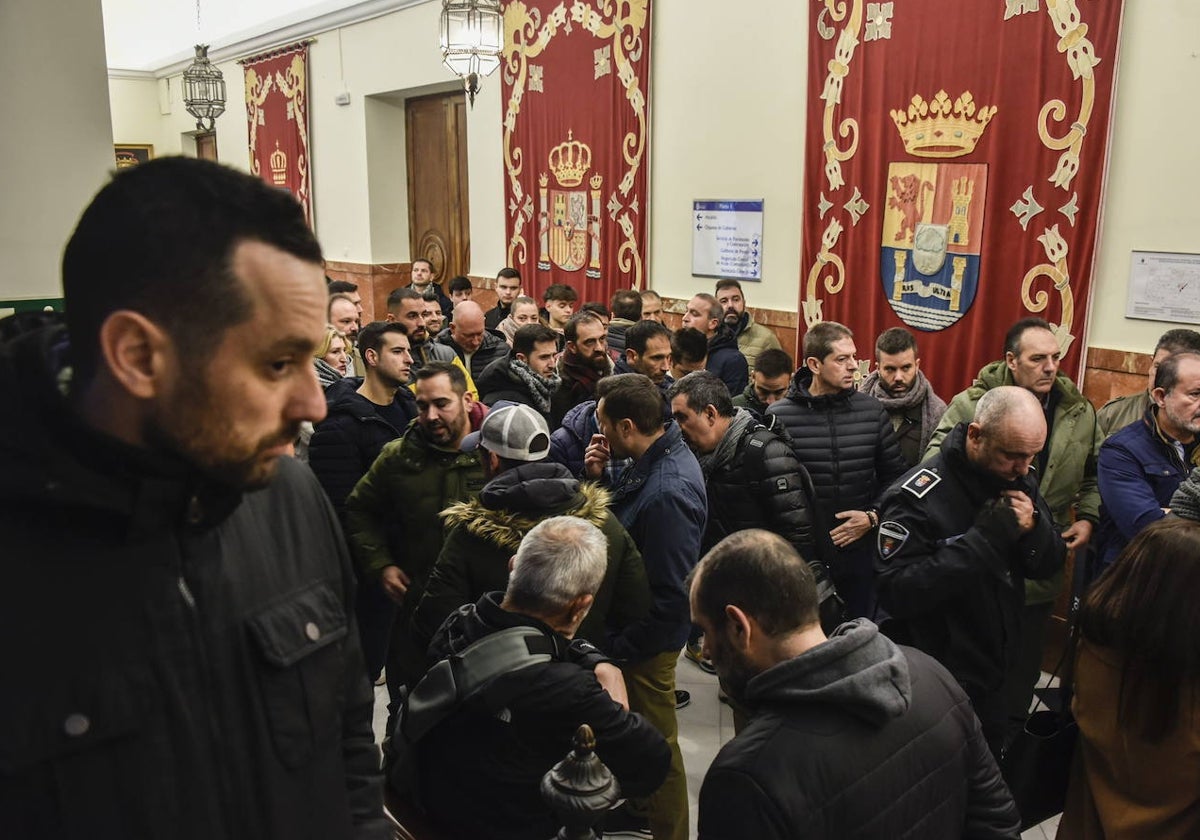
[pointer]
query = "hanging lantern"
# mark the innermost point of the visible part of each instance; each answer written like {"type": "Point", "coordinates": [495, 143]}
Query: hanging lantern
{"type": "Point", "coordinates": [472, 39]}
{"type": "Point", "coordinates": [203, 90]}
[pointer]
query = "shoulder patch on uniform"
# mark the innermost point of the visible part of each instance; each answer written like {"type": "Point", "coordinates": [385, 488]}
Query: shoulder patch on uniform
{"type": "Point", "coordinates": [921, 482]}
{"type": "Point", "coordinates": [891, 538]}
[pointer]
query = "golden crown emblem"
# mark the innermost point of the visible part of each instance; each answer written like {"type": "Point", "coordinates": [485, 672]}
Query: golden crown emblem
{"type": "Point", "coordinates": [941, 128]}
{"type": "Point", "coordinates": [278, 166]}
{"type": "Point", "coordinates": [569, 161]}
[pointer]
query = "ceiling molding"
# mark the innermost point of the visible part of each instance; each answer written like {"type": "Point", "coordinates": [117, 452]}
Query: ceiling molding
{"type": "Point", "coordinates": [252, 42]}
{"type": "Point", "coordinates": [132, 75]}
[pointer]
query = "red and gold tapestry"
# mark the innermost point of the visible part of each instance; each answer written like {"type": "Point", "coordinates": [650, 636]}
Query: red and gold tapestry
{"type": "Point", "coordinates": [277, 110]}
{"type": "Point", "coordinates": [575, 81]}
{"type": "Point", "coordinates": [954, 168]}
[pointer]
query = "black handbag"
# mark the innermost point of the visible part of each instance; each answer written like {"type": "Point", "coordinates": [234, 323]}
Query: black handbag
{"type": "Point", "coordinates": [1036, 762]}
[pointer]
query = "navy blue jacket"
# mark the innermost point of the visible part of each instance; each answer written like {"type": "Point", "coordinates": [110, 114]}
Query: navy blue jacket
{"type": "Point", "coordinates": [727, 361]}
{"type": "Point", "coordinates": [349, 439]}
{"type": "Point", "coordinates": [661, 501]}
{"type": "Point", "coordinates": [1138, 472]}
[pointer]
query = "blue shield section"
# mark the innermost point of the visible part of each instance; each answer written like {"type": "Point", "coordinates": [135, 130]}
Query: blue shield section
{"type": "Point", "coordinates": [929, 302]}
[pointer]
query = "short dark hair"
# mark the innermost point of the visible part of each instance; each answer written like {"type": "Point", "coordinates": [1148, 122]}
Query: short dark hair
{"type": "Point", "coordinates": [596, 308]}
{"type": "Point", "coordinates": [370, 337]}
{"type": "Point", "coordinates": [560, 291]}
{"type": "Point", "coordinates": [893, 341]}
{"type": "Point", "coordinates": [627, 304]}
{"type": "Point", "coordinates": [458, 379]}
{"type": "Point", "coordinates": [159, 239]}
{"type": "Point", "coordinates": [508, 272]}
{"type": "Point", "coordinates": [530, 335]}
{"type": "Point", "coordinates": [689, 345]}
{"type": "Point", "coordinates": [703, 388]}
{"type": "Point", "coordinates": [774, 362]}
{"type": "Point", "coordinates": [727, 283]}
{"type": "Point", "coordinates": [820, 338]}
{"type": "Point", "coordinates": [1167, 375]}
{"type": "Point", "coordinates": [460, 284]}
{"type": "Point", "coordinates": [714, 309]}
{"type": "Point", "coordinates": [571, 330]}
{"type": "Point", "coordinates": [430, 295]}
{"type": "Point", "coordinates": [1012, 338]}
{"type": "Point", "coordinates": [1177, 340]}
{"type": "Point", "coordinates": [761, 574]}
{"type": "Point", "coordinates": [403, 293]}
{"type": "Point", "coordinates": [342, 286]}
{"type": "Point", "coordinates": [639, 335]}
{"type": "Point", "coordinates": [1142, 608]}
{"type": "Point", "coordinates": [427, 262]}
{"type": "Point", "coordinates": [336, 296]}
{"type": "Point", "coordinates": [632, 396]}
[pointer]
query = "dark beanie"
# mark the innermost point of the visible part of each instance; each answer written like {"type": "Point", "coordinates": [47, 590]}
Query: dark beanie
{"type": "Point", "coordinates": [1186, 501]}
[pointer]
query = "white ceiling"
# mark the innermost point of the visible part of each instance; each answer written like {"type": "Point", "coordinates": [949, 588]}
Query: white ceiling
{"type": "Point", "coordinates": [148, 35]}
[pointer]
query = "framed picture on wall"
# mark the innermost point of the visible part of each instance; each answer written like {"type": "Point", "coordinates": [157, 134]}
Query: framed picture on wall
{"type": "Point", "coordinates": [132, 155]}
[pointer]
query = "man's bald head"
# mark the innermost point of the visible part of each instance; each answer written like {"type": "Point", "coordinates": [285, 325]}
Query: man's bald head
{"type": "Point", "coordinates": [1008, 432]}
{"type": "Point", "coordinates": [467, 327]}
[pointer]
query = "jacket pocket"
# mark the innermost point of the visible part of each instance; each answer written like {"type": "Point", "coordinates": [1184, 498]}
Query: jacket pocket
{"type": "Point", "coordinates": [301, 675]}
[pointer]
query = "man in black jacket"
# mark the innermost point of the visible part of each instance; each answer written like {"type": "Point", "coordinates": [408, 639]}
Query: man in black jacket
{"type": "Point", "coordinates": [724, 358]}
{"type": "Point", "coordinates": [475, 345]}
{"type": "Point", "coordinates": [844, 438]}
{"type": "Point", "coordinates": [496, 750]}
{"type": "Point", "coordinates": [959, 536]}
{"type": "Point", "coordinates": [527, 376]}
{"type": "Point", "coordinates": [187, 663]}
{"type": "Point", "coordinates": [853, 736]}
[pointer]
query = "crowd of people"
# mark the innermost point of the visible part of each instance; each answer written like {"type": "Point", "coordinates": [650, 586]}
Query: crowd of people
{"type": "Point", "coordinates": [232, 505]}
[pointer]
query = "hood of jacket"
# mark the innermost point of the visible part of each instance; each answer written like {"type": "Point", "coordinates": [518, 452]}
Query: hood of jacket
{"type": "Point", "coordinates": [858, 670]}
{"type": "Point", "coordinates": [52, 456]}
{"type": "Point", "coordinates": [515, 501]}
{"type": "Point", "coordinates": [348, 401]}
{"type": "Point", "coordinates": [722, 339]}
{"type": "Point", "coordinates": [995, 374]}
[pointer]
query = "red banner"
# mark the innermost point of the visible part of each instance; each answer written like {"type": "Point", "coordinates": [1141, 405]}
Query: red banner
{"type": "Point", "coordinates": [954, 166]}
{"type": "Point", "coordinates": [575, 82]}
{"type": "Point", "coordinates": [277, 110]}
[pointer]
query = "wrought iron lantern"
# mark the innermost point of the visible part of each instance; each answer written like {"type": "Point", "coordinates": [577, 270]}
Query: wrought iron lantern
{"type": "Point", "coordinates": [203, 90]}
{"type": "Point", "coordinates": [472, 38]}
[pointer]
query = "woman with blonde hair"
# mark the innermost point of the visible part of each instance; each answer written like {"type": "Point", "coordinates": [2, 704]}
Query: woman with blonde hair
{"type": "Point", "coordinates": [1137, 675]}
{"type": "Point", "coordinates": [330, 356]}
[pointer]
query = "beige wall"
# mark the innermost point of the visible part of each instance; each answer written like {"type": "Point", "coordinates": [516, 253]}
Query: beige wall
{"type": "Point", "coordinates": [727, 109]}
{"type": "Point", "coordinates": [56, 145]}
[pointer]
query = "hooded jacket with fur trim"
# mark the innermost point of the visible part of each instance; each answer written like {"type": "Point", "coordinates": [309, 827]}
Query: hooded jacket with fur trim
{"type": "Point", "coordinates": [483, 534]}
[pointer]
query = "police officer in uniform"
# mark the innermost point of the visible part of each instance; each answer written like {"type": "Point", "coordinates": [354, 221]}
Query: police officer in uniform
{"type": "Point", "coordinates": [958, 536]}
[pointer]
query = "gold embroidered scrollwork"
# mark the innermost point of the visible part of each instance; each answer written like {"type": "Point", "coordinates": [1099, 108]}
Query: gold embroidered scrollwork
{"type": "Point", "coordinates": [257, 88]}
{"type": "Point", "coordinates": [839, 69]}
{"type": "Point", "coordinates": [622, 21]}
{"type": "Point", "coordinates": [293, 86]}
{"type": "Point", "coordinates": [1054, 269]}
{"type": "Point", "coordinates": [1081, 58]}
{"type": "Point", "coordinates": [828, 268]}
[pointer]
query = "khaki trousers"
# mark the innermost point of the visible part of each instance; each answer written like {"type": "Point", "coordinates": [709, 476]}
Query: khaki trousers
{"type": "Point", "coordinates": [651, 688]}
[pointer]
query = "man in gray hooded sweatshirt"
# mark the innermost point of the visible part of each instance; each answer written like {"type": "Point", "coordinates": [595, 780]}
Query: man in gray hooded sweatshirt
{"type": "Point", "coordinates": [852, 735]}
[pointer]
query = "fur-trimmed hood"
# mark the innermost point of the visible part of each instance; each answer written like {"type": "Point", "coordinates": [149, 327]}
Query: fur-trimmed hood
{"type": "Point", "coordinates": [512, 503]}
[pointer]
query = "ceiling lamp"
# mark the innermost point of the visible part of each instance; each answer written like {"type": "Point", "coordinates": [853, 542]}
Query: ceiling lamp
{"type": "Point", "coordinates": [472, 39]}
{"type": "Point", "coordinates": [203, 90]}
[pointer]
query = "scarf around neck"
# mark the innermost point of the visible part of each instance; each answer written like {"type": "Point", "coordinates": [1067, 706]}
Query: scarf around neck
{"type": "Point", "coordinates": [540, 387]}
{"type": "Point", "coordinates": [727, 447]}
{"type": "Point", "coordinates": [921, 394]}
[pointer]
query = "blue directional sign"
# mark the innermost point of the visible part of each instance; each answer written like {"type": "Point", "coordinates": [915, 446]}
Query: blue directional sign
{"type": "Point", "coordinates": [727, 239]}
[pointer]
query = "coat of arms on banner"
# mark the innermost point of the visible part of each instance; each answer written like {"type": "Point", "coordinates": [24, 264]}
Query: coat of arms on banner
{"type": "Point", "coordinates": [929, 256]}
{"type": "Point", "coordinates": [568, 229]}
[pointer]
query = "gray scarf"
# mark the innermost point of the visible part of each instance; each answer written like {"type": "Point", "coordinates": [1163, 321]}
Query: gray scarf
{"type": "Point", "coordinates": [540, 387]}
{"type": "Point", "coordinates": [932, 407]}
{"type": "Point", "coordinates": [727, 447]}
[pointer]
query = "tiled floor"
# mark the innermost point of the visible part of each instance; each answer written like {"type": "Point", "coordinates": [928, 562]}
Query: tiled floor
{"type": "Point", "coordinates": [704, 727]}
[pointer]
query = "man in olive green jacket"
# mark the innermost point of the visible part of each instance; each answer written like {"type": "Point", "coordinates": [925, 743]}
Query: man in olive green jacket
{"type": "Point", "coordinates": [1066, 468]}
{"type": "Point", "coordinates": [392, 514]}
{"type": "Point", "coordinates": [1118, 413]}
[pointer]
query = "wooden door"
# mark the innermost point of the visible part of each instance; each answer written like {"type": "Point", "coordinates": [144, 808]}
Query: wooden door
{"type": "Point", "coordinates": [438, 213]}
{"type": "Point", "coordinates": [206, 145]}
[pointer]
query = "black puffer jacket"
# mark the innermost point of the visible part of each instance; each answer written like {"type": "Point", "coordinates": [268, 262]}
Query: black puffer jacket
{"type": "Point", "coordinates": [480, 771]}
{"type": "Point", "coordinates": [754, 481]}
{"type": "Point", "coordinates": [845, 441]}
{"type": "Point", "coordinates": [856, 738]}
{"type": "Point", "coordinates": [493, 347]}
{"type": "Point", "coordinates": [349, 439]}
{"type": "Point", "coordinates": [727, 361]}
{"type": "Point", "coordinates": [180, 658]}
